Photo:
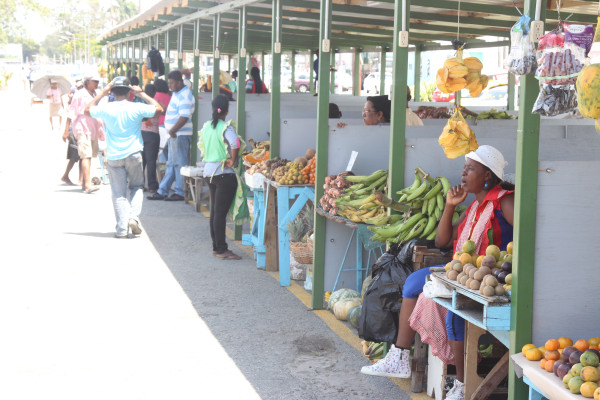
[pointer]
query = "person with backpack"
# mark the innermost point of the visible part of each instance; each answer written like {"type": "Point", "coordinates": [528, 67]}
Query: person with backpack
{"type": "Point", "coordinates": [220, 147]}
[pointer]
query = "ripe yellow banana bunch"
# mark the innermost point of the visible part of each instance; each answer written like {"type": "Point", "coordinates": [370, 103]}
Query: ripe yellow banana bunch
{"type": "Point", "coordinates": [457, 138]}
{"type": "Point", "coordinates": [458, 74]}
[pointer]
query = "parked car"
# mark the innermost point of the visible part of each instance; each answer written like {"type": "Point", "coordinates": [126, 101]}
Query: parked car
{"type": "Point", "coordinates": [495, 95]}
{"type": "Point", "coordinates": [373, 80]}
{"type": "Point", "coordinates": [438, 95]}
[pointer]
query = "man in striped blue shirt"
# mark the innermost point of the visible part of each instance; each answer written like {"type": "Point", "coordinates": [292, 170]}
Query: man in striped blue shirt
{"type": "Point", "coordinates": [178, 123]}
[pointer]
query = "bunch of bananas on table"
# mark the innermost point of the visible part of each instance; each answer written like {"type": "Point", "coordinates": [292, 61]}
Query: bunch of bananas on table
{"type": "Point", "coordinates": [359, 203]}
{"type": "Point", "coordinates": [459, 73]}
{"type": "Point", "coordinates": [260, 152]}
{"type": "Point", "coordinates": [424, 200]}
{"type": "Point", "coordinates": [457, 138]}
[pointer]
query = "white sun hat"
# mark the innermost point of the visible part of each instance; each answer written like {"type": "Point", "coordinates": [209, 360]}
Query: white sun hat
{"type": "Point", "coordinates": [491, 158]}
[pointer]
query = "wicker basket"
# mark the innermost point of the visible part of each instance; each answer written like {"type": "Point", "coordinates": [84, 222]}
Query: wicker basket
{"type": "Point", "coordinates": [302, 251]}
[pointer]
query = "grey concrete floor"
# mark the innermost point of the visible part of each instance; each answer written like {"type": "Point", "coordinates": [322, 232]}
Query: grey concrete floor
{"type": "Point", "coordinates": [87, 316]}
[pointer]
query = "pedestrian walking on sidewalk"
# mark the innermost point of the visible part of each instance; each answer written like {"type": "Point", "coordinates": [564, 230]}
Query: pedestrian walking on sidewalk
{"type": "Point", "coordinates": [220, 146]}
{"type": "Point", "coordinates": [86, 130]}
{"type": "Point", "coordinates": [178, 122]}
{"type": "Point", "coordinates": [123, 122]}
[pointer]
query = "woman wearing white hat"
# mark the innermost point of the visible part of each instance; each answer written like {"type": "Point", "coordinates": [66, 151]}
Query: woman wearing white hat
{"type": "Point", "coordinates": [488, 220]}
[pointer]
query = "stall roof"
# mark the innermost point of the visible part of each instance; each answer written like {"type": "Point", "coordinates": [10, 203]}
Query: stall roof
{"type": "Point", "coordinates": [355, 23]}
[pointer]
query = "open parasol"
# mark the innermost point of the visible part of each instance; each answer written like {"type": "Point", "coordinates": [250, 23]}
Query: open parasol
{"type": "Point", "coordinates": [41, 85]}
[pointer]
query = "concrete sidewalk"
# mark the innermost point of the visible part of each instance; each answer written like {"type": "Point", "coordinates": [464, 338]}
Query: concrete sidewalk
{"type": "Point", "coordinates": [87, 316]}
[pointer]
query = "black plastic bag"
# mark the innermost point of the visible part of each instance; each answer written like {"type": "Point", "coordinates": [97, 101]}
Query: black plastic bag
{"type": "Point", "coordinates": [378, 321]}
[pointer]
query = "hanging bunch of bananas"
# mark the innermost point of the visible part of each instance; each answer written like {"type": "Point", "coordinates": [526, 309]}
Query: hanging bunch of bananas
{"type": "Point", "coordinates": [458, 74]}
{"type": "Point", "coordinates": [359, 203]}
{"type": "Point", "coordinates": [260, 152]}
{"type": "Point", "coordinates": [424, 202]}
{"type": "Point", "coordinates": [457, 138]}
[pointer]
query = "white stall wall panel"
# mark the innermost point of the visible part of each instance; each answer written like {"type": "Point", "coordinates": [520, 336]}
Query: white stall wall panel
{"type": "Point", "coordinates": [565, 293]}
{"type": "Point", "coordinates": [372, 155]}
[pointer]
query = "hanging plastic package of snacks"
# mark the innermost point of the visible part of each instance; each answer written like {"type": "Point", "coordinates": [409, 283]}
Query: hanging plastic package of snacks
{"type": "Point", "coordinates": [522, 58]}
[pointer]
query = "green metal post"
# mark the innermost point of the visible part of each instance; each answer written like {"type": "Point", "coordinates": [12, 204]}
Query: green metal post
{"type": "Point", "coordinates": [180, 47]}
{"type": "Point", "coordinates": [127, 62]}
{"type": "Point", "coordinates": [399, 73]}
{"type": "Point", "coordinates": [511, 91]}
{"type": "Point", "coordinates": [417, 91]}
{"type": "Point", "coordinates": [241, 87]}
{"type": "Point", "coordinates": [276, 77]}
{"type": "Point", "coordinates": [331, 73]}
{"type": "Point", "coordinates": [216, 77]}
{"type": "Point", "coordinates": [141, 64]}
{"type": "Point", "coordinates": [311, 77]}
{"type": "Point", "coordinates": [195, 122]}
{"type": "Point", "coordinates": [382, 70]}
{"type": "Point", "coordinates": [322, 151]}
{"type": "Point", "coordinates": [356, 72]}
{"type": "Point", "coordinates": [167, 50]}
{"type": "Point", "coordinates": [528, 143]}
{"type": "Point", "coordinates": [293, 78]}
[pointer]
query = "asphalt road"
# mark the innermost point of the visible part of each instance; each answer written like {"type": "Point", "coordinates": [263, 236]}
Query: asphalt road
{"type": "Point", "coordinates": [88, 316]}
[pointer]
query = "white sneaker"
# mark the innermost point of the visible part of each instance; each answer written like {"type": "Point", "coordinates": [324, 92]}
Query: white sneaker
{"type": "Point", "coordinates": [457, 392]}
{"type": "Point", "coordinates": [134, 226]}
{"type": "Point", "coordinates": [396, 364]}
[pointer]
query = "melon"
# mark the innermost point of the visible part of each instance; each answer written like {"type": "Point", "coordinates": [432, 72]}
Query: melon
{"type": "Point", "coordinates": [310, 153]}
{"type": "Point", "coordinates": [588, 91]}
{"type": "Point", "coordinates": [301, 160]}
{"type": "Point", "coordinates": [341, 308]}
{"type": "Point", "coordinates": [341, 294]}
{"type": "Point", "coordinates": [354, 314]}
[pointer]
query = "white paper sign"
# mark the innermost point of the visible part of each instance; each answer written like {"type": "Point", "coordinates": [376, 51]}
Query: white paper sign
{"type": "Point", "coordinates": [352, 160]}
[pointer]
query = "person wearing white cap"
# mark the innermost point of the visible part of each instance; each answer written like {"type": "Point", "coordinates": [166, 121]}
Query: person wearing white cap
{"type": "Point", "coordinates": [54, 94]}
{"type": "Point", "coordinates": [488, 220]}
{"type": "Point", "coordinates": [86, 130]}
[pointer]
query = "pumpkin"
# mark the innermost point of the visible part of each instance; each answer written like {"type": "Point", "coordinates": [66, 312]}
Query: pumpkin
{"type": "Point", "coordinates": [365, 285]}
{"type": "Point", "coordinates": [341, 294]}
{"type": "Point", "coordinates": [255, 160]}
{"type": "Point", "coordinates": [354, 314]}
{"type": "Point", "coordinates": [341, 308]}
{"type": "Point", "coordinates": [588, 91]}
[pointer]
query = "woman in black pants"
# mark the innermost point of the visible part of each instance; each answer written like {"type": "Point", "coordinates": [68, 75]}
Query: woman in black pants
{"type": "Point", "coordinates": [219, 145]}
{"type": "Point", "coordinates": [151, 140]}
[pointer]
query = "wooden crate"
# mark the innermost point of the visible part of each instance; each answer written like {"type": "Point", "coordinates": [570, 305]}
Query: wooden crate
{"type": "Point", "coordinates": [424, 257]}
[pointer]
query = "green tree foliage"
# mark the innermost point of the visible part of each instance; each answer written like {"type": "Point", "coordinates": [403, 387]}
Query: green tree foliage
{"type": "Point", "coordinates": [12, 15]}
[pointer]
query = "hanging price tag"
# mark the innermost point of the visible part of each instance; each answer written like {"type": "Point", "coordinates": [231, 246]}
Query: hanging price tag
{"type": "Point", "coordinates": [352, 160]}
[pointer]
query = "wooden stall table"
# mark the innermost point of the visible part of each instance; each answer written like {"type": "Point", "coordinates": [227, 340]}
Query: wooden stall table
{"type": "Point", "coordinates": [256, 237]}
{"type": "Point", "coordinates": [541, 383]}
{"type": "Point", "coordinates": [193, 184]}
{"type": "Point", "coordinates": [481, 313]}
{"type": "Point", "coordinates": [277, 214]}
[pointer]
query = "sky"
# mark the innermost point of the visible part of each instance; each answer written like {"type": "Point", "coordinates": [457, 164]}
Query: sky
{"type": "Point", "coordinates": [38, 29]}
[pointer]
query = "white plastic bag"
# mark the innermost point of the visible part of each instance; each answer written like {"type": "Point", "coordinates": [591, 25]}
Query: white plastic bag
{"type": "Point", "coordinates": [436, 288]}
{"type": "Point", "coordinates": [522, 57]}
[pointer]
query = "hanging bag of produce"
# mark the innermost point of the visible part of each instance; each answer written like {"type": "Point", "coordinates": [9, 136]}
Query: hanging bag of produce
{"type": "Point", "coordinates": [458, 138]}
{"type": "Point", "coordinates": [588, 82]}
{"type": "Point", "coordinates": [521, 60]}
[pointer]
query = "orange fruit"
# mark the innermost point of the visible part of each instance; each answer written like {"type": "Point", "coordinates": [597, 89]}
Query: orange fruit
{"type": "Point", "coordinates": [597, 394]}
{"type": "Point", "coordinates": [549, 364]}
{"type": "Point", "coordinates": [595, 341]}
{"type": "Point", "coordinates": [595, 348]}
{"type": "Point", "coordinates": [552, 355]}
{"type": "Point", "coordinates": [527, 347]}
{"type": "Point", "coordinates": [457, 255]}
{"type": "Point", "coordinates": [552, 345]}
{"type": "Point", "coordinates": [565, 342]}
{"type": "Point", "coordinates": [478, 262]}
{"type": "Point", "coordinates": [465, 258]}
{"type": "Point", "coordinates": [582, 345]}
{"type": "Point", "coordinates": [543, 363]}
{"type": "Point", "coordinates": [542, 349]}
{"type": "Point", "coordinates": [534, 354]}
{"type": "Point", "coordinates": [588, 389]}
